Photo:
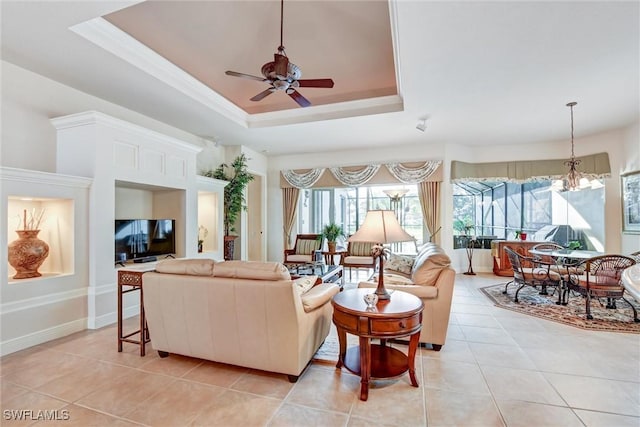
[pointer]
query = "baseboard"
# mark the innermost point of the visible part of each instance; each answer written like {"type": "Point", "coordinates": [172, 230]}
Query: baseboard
{"type": "Point", "coordinates": [35, 338]}
{"type": "Point", "coordinates": [111, 318]}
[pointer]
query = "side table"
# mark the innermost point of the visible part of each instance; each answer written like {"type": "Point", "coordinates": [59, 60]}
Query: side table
{"type": "Point", "coordinates": [329, 256]}
{"type": "Point", "coordinates": [129, 280]}
{"type": "Point", "coordinates": [399, 317]}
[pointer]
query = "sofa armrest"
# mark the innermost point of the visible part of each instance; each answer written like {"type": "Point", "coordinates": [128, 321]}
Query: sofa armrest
{"type": "Point", "coordinates": [318, 296]}
{"type": "Point", "coordinates": [289, 251]}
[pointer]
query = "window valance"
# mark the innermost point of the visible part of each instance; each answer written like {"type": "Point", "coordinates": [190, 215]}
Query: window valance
{"type": "Point", "coordinates": [592, 166]}
{"type": "Point", "coordinates": [354, 176]}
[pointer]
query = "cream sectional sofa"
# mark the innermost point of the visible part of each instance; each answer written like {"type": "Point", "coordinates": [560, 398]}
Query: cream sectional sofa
{"type": "Point", "coordinates": [242, 313]}
{"type": "Point", "coordinates": [429, 276]}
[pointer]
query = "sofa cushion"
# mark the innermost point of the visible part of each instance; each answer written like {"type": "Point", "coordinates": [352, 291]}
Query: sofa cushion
{"type": "Point", "coordinates": [252, 270]}
{"type": "Point", "coordinates": [318, 296]}
{"type": "Point", "coordinates": [192, 267]}
{"type": "Point", "coordinates": [428, 264]}
{"type": "Point", "coordinates": [299, 258]}
{"type": "Point", "coordinates": [304, 283]}
{"type": "Point", "coordinates": [364, 260]}
{"type": "Point", "coordinates": [392, 279]}
{"type": "Point", "coordinates": [400, 263]}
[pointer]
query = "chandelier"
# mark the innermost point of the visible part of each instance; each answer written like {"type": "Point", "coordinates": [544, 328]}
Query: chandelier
{"type": "Point", "coordinates": [573, 176]}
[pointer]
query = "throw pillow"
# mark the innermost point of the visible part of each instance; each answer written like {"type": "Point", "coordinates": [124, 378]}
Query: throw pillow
{"type": "Point", "coordinates": [304, 283]}
{"type": "Point", "coordinates": [400, 263]}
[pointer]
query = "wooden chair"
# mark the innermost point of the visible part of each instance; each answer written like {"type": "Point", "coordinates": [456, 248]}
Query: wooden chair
{"type": "Point", "coordinates": [358, 255]}
{"type": "Point", "coordinates": [601, 279]}
{"type": "Point", "coordinates": [528, 271]}
{"type": "Point", "coordinates": [304, 249]}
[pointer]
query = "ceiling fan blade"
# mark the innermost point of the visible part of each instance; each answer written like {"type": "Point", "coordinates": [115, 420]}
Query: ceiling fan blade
{"type": "Point", "coordinates": [246, 76]}
{"type": "Point", "coordinates": [281, 65]}
{"type": "Point", "coordinates": [326, 83]}
{"type": "Point", "coordinates": [301, 100]}
{"type": "Point", "coordinates": [262, 94]}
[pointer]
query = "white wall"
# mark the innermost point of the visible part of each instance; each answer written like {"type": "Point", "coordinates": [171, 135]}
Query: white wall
{"type": "Point", "coordinates": [622, 145]}
{"type": "Point", "coordinates": [29, 100]}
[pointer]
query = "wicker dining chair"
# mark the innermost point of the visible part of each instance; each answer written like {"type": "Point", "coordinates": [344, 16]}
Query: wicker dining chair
{"type": "Point", "coordinates": [528, 271]}
{"type": "Point", "coordinates": [601, 279]}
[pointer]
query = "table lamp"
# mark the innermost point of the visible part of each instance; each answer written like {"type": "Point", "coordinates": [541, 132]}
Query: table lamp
{"type": "Point", "coordinates": [380, 226]}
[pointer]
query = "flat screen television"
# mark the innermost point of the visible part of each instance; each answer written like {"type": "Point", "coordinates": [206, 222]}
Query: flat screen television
{"type": "Point", "coordinates": [140, 238]}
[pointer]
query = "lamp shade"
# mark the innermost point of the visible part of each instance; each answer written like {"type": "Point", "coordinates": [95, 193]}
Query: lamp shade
{"type": "Point", "coordinates": [380, 226]}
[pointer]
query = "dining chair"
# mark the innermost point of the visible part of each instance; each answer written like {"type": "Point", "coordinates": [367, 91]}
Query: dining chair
{"type": "Point", "coordinates": [528, 271]}
{"type": "Point", "coordinates": [601, 279]}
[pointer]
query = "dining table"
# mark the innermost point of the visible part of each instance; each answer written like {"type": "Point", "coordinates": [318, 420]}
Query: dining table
{"type": "Point", "coordinates": [572, 254]}
{"type": "Point", "coordinates": [566, 259]}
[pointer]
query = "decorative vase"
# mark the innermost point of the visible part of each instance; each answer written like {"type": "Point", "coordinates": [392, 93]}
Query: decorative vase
{"type": "Point", "coordinates": [229, 247]}
{"type": "Point", "coordinates": [27, 254]}
{"type": "Point", "coordinates": [523, 236]}
{"type": "Point", "coordinates": [331, 246]}
{"type": "Point", "coordinates": [199, 247]}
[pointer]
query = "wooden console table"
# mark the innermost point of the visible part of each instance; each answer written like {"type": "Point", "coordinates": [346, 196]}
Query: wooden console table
{"type": "Point", "coordinates": [399, 317]}
{"type": "Point", "coordinates": [129, 280]}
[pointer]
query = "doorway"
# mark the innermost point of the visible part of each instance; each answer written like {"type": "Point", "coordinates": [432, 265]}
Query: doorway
{"type": "Point", "coordinates": [255, 219]}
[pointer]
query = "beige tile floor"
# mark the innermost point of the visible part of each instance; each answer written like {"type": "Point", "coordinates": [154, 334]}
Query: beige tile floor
{"type": "Point", "coordinates": [497, 368]}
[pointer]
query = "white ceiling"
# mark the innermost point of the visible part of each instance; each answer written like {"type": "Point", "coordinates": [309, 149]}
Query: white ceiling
{"type": "Point", "coordinates": [480, 72]}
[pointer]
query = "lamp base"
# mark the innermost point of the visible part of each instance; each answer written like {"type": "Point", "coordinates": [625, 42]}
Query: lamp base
{"type": "Point", "coordinates": [383, 295]}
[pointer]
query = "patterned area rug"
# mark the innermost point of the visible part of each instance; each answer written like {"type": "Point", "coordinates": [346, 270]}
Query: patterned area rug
{"type": "Point", "coordinates": [534, 304]}
{"type": "Point", "coordinates": [328, 351]}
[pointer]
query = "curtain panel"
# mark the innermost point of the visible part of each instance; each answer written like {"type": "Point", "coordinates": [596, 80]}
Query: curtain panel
{"type": "Point", "coordinates": [592, 166]}
{"type": "Point", "coordinates": [289, 211]}
{"type": "Point", "coordinates": [349, 176]}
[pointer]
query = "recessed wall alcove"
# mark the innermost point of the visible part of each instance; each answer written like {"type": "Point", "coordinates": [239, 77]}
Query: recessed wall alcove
{"type": "Point", "coordinates": [38, 309]}
{"type": "Point", "coordinates": [136, 173]}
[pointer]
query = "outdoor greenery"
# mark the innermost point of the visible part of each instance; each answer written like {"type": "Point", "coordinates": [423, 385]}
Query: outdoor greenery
{"type": "Point", "coordinates": [234, 200]}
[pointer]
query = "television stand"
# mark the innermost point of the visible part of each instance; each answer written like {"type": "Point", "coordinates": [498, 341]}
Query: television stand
{"type": "Point", "coordinates": [145, 259]}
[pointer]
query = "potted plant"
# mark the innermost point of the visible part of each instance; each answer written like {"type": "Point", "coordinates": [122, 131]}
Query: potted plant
{"type": "Point", "coordinates": [234, 200]}
{"type": "Point", "coordinates": [331, 232]}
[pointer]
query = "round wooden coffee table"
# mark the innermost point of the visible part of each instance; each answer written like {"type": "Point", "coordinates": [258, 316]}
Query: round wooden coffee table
{"type": "Point", "coordinates": [401, 316]}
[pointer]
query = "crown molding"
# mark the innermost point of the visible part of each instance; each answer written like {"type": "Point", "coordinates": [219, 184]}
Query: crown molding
{"type": "Point", "coordinates": [96, 117]}
{"type": "Point", "coordinates": [109, 37]}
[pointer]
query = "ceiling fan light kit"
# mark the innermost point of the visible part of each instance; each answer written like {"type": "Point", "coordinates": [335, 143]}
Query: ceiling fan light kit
{"type": "Point", "coordinates": [283, 75]}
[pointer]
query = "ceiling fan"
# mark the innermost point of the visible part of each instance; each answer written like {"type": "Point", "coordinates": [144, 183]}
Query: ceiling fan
{"type": "Point", "coordinates": [283, 75]}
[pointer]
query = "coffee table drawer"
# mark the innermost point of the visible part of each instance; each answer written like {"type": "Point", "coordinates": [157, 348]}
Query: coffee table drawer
{"type": "Point", "coordinates": [395, 326]}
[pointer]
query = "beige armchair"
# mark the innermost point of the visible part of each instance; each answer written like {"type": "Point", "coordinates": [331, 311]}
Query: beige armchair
{"type": "Point", "coordinates": [358, 255]}
{"type": "Point", "coordinates": [303, 250]}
